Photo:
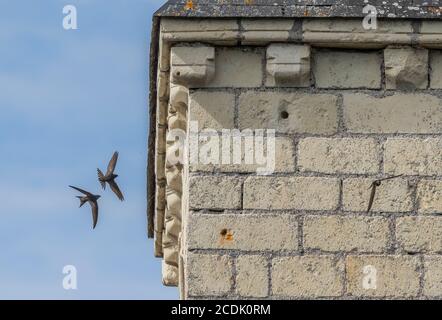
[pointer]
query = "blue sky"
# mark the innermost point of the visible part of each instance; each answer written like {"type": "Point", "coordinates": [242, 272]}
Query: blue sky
{"type": "Point", "coordinates": [68, 99]}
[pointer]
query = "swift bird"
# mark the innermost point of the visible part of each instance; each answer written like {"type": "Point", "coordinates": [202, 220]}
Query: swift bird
{"type": "Point", "coordinates": [110, 176]}
{"type": "Point", "coordinates": [92, 200]}
{"type": "Point", "coordinates": [373, 187]}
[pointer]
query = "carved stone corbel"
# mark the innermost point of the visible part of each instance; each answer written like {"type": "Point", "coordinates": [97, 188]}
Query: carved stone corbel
{"type": "Point", "coordinates": [190, 67]}
{"type": "Point", "coordinates": [288, 65]}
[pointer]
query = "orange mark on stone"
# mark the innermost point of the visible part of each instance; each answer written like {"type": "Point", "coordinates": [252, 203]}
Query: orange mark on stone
{"type": "Point", "coordinates": [189, 5]}
{"type": "Point", "coordinates": [226, 236]}
{"type": "Point", "coordinates": [248, 2]}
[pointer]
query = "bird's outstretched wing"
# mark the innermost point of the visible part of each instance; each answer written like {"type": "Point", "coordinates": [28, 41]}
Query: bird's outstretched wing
{"type": "Point", "coordinates": [116, 190]}
{"type": "Point", "coordinates": [101, 179]}
{"type": "Point", "coordinates": [82, 191]}
{"type": "Point", "coordinates": [372, 194]}
{"type": "Point", "coordinates": [112, 163]}
{"type": "Point", "coordinates": [94, 206]}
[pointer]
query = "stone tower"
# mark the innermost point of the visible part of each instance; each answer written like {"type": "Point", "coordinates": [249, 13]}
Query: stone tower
{"type": "Point", "coordinates": [270, 124]}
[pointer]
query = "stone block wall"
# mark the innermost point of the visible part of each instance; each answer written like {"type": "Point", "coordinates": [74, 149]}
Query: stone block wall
{"type": "Point", "coordinates": [347, 110]}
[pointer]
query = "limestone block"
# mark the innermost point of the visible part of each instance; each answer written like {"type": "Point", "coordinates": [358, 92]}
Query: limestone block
{"type": "Point", "coordinates": [289, 112]}
{"type": "Point", "coordinates": [399, 113]}
{"type": "Point", "coordinates": [431, 26]}
{"type": "Point", "coordinates": [243, 232]}
{"type": "Point", "coordinates": [252, 276]}
{"type": "Point", "coordinates": [336, 233]}
{"type": "Point", "coordinates": [263, 31]}
{"type": "Point", "coordinates": [209, 275]}
{"type": "Point", "coordinates": [200, 25]}
{"type": "Point", "coordinates": [343, 69]}
{"type": "Point", "coordinates": [343, 155]}
{"type": "Point", "coordinates": [355, 26]}
{"type": "Point", "coordinates": [213, 110]}
{"type": "Point", "coordinates": [433, 276]}
{"type": "Point", "coordinates": [429, 196]}
{"type": "Point", "coordinates": [413, 156]}
{"type": "Point", "coordinates": [302, 193]}
{"type": "Point", "coordinates": [307, 276]}
{"type": "Point", "coordinates": [216, 31]}
{"type": "Point", "coordinates": [283, 158]}
{"type": "Point", "coordinates": [436, 69]}
{"type": "Point", "coordinates": [350, 33]}
{"type": "Point", "coordinates": [238, 68]}
{"type": "Point", "coordinates": [406, 68]}
{"type": "Point", "coordinates": [192, 66]}
{"type": "Point", "coordinates": [383, 276]}
{"type": "Point", "coordinates": [214, 192]}
{"type": "Point", "coordinates": [288, 65]}
{"type": "Point", "coordinates": [391, 196]}
{"type": "Point", "coordinates": [419, 234]}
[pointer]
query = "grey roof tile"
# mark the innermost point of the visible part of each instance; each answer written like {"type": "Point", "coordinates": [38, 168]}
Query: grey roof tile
{"type": "Point", "coordinates": [431, 9]}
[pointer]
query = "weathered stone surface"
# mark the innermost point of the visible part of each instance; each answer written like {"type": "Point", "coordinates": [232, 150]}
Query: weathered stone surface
{"type": "Point", "coordinates": [307, 276]}
{"type": "Point", "coordinates": [436, 69]}
{"type": "Point", "coordinates": [304, 193]}
{"type": "Point", "coordinates": [360, 40]}
{"type": "Point", "coordinates": [355, 26]}
{"type": "Point", "coordinates": [395, 276]}
{"type": "Point", "coordinates": [192, 66]}
{"type": "Point", "coordinates": [429, 196]}
{"type": "Point", "coordinates": [214, 192]}
{"type": "Point", "coordinates": [350, 32]}
{"type": "Point", "coordinates": [288, 112]}
{"type": "Point", "coordinates": [258, 31]}
{"type": "Point", "coordinates": [413, 156]}
{"type": "Point", "coordinates": [433, 276]}
{"type": "Point", "coordinates": [242, 231]}
{"type": "Point", "coordinates": [400, 113]}
{"type": "Point", "coordinates": [431, 26]}
{"type": "Point", "coordinates": [406, 68]}
{"type": "Point", "coordinates": [419, 234]}
{"type": "Point", "coordinates": [169, 274]}
{"type": "Point", "coordinates": [192, 25]}
{"type": "Point", "coordinates": [284, 157]}
{"type": "Point", "coordinates": [391, 196]}
{"type": "Point", "coordinates": [209, 275]}
{"type": "Point", "coordinates": [214, 110]}
{"type": "Point", "coordinates": [337, 233]}
{"type": "Point", "coordinates": [241, 68]}
{"type": "Point", "coordinates": [252, 276]}
{"type": "Point", "coordinates": [344, 155]}
{"type": "Point", "coordinates": [160, 140]}
{"type": "Point", "coordinates": [341, 69]}
{"type": "Point", "coordinates": [200, 30]}
{"type": "Point", "coordinates": [246, 240]}
{"type": "Point", "coordinates": [288, 65]}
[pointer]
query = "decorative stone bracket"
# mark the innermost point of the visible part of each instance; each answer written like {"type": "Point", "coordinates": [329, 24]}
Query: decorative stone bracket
{"type": "Point", "coordinates": [190, 66]}
{"type": "Point", "coordinates": [288, 65]}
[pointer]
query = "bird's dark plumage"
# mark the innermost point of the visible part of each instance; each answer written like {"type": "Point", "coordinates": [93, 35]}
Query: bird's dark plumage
{"type": "Point", "coordinates": [92, 200]}
{"type": "Point", "coordinates": [373, 187]}
{"type": "Point", "coordinates": [109, 177]}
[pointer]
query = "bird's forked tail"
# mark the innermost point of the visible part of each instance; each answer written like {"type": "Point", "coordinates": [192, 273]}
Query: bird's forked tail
{"type": "Point", "coordinates": [82, 200]}
{"type": "Point", "coordinates": [101, 178]}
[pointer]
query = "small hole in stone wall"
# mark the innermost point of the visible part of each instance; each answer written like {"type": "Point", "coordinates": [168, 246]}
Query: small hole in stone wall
{"type": "Point", "coordinates": [178, 73]}
{"type": "Point", "coordinates": [223, 232]}
{"type": "Point", "coordinates": [284, 114]}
